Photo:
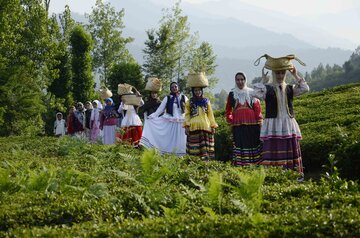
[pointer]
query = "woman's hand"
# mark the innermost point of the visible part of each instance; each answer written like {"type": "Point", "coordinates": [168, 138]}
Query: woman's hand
{"type": "Point", "coordinates": [295, 74]}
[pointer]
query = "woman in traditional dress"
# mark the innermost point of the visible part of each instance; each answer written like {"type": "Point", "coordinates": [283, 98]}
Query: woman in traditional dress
{"type": "Point", "coordinates": [108, 121]}
{"type": "Point", "coordinates": [167, 133]}
{"type": "Point", "coordinates": [131, 123]}
{"type": "Point", "coordinates": [243, 112]}
{"type": "Point", "coordinates": [280, 132]}
{"type": "Point", "coordinates": [199, 125]}
{"type": "Point", "coordinates": [95, 121]}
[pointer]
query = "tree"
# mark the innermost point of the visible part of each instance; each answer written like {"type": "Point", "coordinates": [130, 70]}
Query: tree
{"type": "Point", "coordinates": [220, 100]}
{"type": "Point", "coordinates": [61, 86]}
{"type": "Point", "coordinates": [168, 50]}
{"type": "Point", "coordinates": [27, 49]}
{"type": "Point", "coordinates": [83, 82]}
{"type": "Point", "coordinates": [129, 73]}
{"type": "Point", "coordinates": [204, 60]}
{"type": "Point", "coordinates": [105, 26]}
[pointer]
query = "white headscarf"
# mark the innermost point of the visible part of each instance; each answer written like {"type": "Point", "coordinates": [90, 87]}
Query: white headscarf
{"type": "Point", "coordinates": [95, 112]}
{"type": "Point", "coordinates": [243, 95]}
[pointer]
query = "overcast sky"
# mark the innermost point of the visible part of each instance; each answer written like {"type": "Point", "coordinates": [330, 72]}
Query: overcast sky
{"type": "Point", "coordinates": [340, 17]}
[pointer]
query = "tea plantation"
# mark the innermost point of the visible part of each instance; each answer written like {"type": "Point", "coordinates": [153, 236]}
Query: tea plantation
{"type": "Point", "coordinates": [65, 187]}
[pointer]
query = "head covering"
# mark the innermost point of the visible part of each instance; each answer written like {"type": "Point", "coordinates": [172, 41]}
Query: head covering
{"type": "Point", "coordinates": [109, 109]}
{"type": "Point", "coordinates": [90, 104]}
{"type": "Point", "coordinates": [243, 95]}
{"type": "Point", "coordinates": [175, 96]}
{"type": "Point", "coordinates": [59, 113]}
{"type": "Point", "coordinates": [199, 101]}
{"type": "Point", "coordinates": [98, 104]}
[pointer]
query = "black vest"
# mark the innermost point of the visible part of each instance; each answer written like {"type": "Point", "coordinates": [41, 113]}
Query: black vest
{"type": "Point", "coordinates": [169, 106]}
{"type": "Point", "coordinates": [271, 101]}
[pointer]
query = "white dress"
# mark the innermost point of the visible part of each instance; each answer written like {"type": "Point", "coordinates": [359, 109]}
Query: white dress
{"type": "Point", "coordinates": [59, 127]}
{"type": "Point", "coordinates": [166, 133]}
{"type": "Point", "coordinates": [131, 118]}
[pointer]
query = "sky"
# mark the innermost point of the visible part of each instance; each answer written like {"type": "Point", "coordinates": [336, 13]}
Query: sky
{"type": "Point", "coordinates": [338, 17]}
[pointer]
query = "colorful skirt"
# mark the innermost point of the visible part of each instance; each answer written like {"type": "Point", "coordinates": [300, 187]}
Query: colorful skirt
{"type": "Point", "coordinates": [201, 143]}
{"type": "Point", "coordinates": [246, 145]}
{"type": "Point", "coordinates": [282, 152]}
{"type": "Point", "coordinates": [132, 134]}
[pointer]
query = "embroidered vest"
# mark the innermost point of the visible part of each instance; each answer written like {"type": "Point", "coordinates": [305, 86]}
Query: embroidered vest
{"type": "Point", "coordinates": [271, 101]}
{"type": "Point", "coordinates": [194, 108]}
{"type": "Point", "coordinates": [169, 105]}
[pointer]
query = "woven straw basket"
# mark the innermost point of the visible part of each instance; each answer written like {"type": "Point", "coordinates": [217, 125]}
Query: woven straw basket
{"type": "Point", "coordinates": [131, 99]}
{"type": "Point", "coordinates": [153, 85]}
{"type": "Point", "coordinates": [105, 93]}
{"type": "Point", "coordinates": [124, 88]}
{"type": "Point", "coordinates": [281, 63]}
{"type": "Point", "coordinates": [197, 80]}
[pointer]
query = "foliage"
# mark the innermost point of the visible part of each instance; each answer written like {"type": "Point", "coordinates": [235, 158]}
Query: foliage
{"type": "Point", "coordinates": [326, 77]}
{"type": "Point", "coordinates": [168, 50]}
{"type": "Point", "coordinates": [27, 49]}
{"type": "Point", "coordinates": [129, 73]}
{"type": "Point", "coordinates": [105, 26]}
{"type": "Point", "coordinates": [83, 82]}
{"type": "Point", "coordinates": [66, 187]}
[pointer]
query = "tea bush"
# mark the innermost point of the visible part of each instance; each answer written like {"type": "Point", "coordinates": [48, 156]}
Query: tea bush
{"type": "Point", "coordinates": [59, 187]}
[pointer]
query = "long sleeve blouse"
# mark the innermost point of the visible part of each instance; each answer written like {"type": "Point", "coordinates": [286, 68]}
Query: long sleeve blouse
{"type": "Point", "coordinates": [131, 117]}
{"type": "Point", "coordinates": [178, 115]}
{"type": "Point", "coordinates": [202, 121]}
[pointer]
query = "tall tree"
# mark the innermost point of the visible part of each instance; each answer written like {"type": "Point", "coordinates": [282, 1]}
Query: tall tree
{"type": "Point", "coordinates": [168, 50]}
{"type": "Point", "coordinates": [204, 60]}
{"type": "Point", "coordinates": [106, 26]}
{"type": "Point", "coordinates": [83, 82]}
{"type": "Point", "coordinates": [27, 49]}
{"type": "Point", "coordinates": [61, 86]}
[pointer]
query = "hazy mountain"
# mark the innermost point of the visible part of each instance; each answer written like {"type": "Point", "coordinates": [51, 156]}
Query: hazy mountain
{"type": "Point", "coordinates": [236, 43]}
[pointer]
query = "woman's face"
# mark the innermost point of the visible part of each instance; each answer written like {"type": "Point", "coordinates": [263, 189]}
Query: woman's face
{"type": "Point", "coordinates": [197, 92]}
{"type": "Point", "coordinates": [108, 103]}
{"type": "Point", "coordinates": [280, 75]}
{"type": "Point", "coordinates": [174, 88]}
{"type": "Point", "coordinates": [240, 81]}
{"type": "Point", "coordinates": [94, 104]}
{"type": "Point", "coordinates": [154, 95]}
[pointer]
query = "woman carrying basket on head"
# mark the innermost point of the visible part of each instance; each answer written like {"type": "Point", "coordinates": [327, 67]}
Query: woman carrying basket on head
{"type": "Point", "coordinates": [280, 132]}
{"type": "Point", "coordinates": [199, 120]}
{"type": "Point", "coordinates": [131, 123]}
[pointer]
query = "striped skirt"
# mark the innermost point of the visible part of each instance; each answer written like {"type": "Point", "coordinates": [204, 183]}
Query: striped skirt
{"type": "Point", "coordinates": [246, 145]}
{"type": "Point", "coordinates": [201, 143]}
{"type": "Point", "coordinates": [282, 152]}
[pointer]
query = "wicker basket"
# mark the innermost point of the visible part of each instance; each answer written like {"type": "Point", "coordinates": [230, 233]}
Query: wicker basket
{"type": "Point", "coordinates": [197, 80]}
{"type": "Point", "coordinates": [281, 63]}
{"type": "Point", "coordinates": [105, 93]}
{"type": "Point", "coordinates": [124, 88]}
{"type": "Point", "coordinates": [131, 99]}
{"type": "Point", "coordinates": [153, 85]}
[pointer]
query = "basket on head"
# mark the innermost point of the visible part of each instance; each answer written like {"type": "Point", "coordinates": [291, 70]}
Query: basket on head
{"type": "Point", "coordinates": [124, 88]}
{"type": "Point", "coordinates": [281, 63]}
{"type": "Point", "coordinates": [131, 99]}
{"type": "Point", "coordinates": [197, 80]}
{"type": "Point", "coordinates": [105, 93]}
{"type": "Point", "coordinates": [153, 85]}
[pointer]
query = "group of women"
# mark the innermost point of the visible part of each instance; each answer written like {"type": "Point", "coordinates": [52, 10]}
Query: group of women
{"type": "Point", "coordinates": [182, 126]}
